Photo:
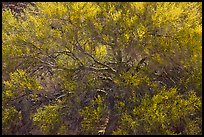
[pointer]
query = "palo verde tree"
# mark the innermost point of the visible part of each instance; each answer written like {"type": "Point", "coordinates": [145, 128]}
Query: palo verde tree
{"type": "Point", "coordinates": [118, 67]}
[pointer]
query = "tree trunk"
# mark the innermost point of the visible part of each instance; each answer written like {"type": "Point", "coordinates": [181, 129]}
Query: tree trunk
{"type": "Point", "coordinates": [112, 124]}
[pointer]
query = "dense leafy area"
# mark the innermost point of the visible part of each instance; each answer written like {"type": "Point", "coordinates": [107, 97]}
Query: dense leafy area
{"type": "Point", "coordinates": [102, 68]}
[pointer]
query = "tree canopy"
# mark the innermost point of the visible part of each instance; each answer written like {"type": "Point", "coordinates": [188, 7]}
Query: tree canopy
{"type": "Point", "coordinates": [102, 68]}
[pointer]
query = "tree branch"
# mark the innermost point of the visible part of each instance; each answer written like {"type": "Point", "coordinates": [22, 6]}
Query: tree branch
{"type": "Point", "coordinates": [102, 64]}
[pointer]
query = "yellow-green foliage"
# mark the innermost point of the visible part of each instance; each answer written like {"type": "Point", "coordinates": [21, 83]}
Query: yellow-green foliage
{"type": "Point", "coordinates": [20, 82]}
{"type": "Point", "coordinates": [131, 79]}
{"type": "Point", "coordinates": [10, 119]}
{"type": "Point", "coordinates": [167, 112]}
{"type": "Point", "coordinates": [48, 119]}
{"type": "Point", "coordinates": [92, 116]}
{"type": "Point", "coordinates": [83, 41]}
{"type": "Point", "coordinates": [101, 52]}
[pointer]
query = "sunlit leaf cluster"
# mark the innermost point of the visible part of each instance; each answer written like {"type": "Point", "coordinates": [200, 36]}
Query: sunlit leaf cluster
{"type": "Point", "coordinates": [103, 68]}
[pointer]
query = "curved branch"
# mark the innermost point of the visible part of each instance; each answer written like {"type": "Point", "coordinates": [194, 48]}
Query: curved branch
{"type": "Point", "coordinates": [102, 64]}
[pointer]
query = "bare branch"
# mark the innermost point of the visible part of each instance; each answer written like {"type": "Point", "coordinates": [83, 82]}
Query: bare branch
{"type": "Point", "coordinates": [86, 53]}
{"type": "Point", "coordinates": [71, 54]}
